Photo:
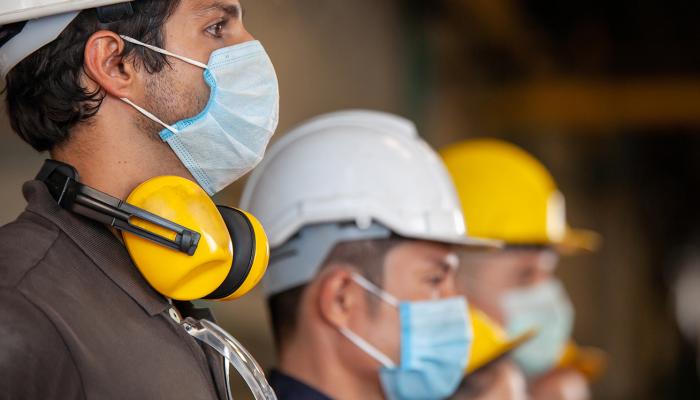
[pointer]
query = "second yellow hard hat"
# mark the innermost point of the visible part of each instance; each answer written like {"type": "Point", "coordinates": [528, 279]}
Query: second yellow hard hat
{"type": "Point", "coordinates": [507, 194]}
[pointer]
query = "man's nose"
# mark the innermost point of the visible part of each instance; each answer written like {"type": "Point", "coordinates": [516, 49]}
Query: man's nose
{"type": "Point", "coordinates": [449, 289]}
{"type": "Point", "coordinates": [245, 36]}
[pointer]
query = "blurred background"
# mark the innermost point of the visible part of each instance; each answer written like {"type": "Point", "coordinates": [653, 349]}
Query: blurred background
{"type": "Point", "coordinates": [605, 93]}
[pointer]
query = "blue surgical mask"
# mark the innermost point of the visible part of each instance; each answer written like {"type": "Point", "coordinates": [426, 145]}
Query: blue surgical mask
{"type": "Point", "coordinates": [547, 309]}
{"type": "Point", "coordinates": [436, 337]}
{"type": "Point", "coordinates": [228, 138]}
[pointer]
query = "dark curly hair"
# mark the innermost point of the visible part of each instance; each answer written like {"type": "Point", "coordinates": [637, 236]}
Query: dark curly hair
{"type": "Point", "coordinates": [45, 98]}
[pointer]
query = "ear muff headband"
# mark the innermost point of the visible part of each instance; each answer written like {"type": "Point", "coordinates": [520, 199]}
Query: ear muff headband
{"type": "Point", "coordinates": [62, 181]}
{"type": "Point", "coordinates": [250, 254]}
{"type": "Point", "coordinates": [247, 237]}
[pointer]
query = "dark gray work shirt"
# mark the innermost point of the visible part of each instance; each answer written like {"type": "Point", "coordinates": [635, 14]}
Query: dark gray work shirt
{"type": "Point", "coordinates": [78, 321]}
{"type": "Point", "coordinates": [289, 388]}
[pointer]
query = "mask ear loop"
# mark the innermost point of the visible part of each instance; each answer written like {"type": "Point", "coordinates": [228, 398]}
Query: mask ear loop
{"type": "Point", "coordinates": [164, 52]}
{"type": "Point", "coordinates": [372, 288]}
{"type": "Point", "coordinates": [370, 350]}
{"type": "Point", "coordinates": [367, 348]}
{"type": "Point", "coordinates": [142, 110]}
{"type": "Point", "coordinates": [149, 115]}
{"type": "Point", "coordinates": [451, 260]}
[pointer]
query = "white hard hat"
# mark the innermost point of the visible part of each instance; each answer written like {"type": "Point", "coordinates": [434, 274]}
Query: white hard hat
{"type": "Point", "coordinates": [345, 176]}
{"type": "Point", "coordinates": [45, 20]}
{"type": "Point", "coordinates": [360, 166]}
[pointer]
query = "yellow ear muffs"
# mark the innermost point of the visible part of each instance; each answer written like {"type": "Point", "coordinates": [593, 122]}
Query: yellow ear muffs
{"type": "Point", "coordinates": [230, 258]}
{"type": "Point", "coordinates": [173, 273]}
{"type": "Point", "coordinates": [184, 246]}
{"type": "Point", "coordinates": [251, 253]}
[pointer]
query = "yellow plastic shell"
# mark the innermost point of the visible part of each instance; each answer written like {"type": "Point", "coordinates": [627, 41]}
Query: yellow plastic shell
{"type": "Point", "coordinates": [507, 194]}
{"type": "Point", "coordinates": [491, 342]}
{"type": "Point", "coordinates": [175, 274]}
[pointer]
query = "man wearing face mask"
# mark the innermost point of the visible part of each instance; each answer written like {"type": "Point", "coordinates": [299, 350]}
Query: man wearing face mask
{"type": "Point", "coordinates": [362, 220]}
{"type": "Point", "coordinates": [123, 92]}
{"type": "Point", "coordinates": [507, 194]}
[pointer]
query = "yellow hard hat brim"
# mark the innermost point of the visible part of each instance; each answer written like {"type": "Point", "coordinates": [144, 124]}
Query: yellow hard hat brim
{"type": "Point", "coordinates": [578, 241]}
{"type": "Point", "coordinates": [500, 352]}
{"type": "Point", "coordinates": [491, 342]}
{"type": "Point", "coordinates": [590, 361]}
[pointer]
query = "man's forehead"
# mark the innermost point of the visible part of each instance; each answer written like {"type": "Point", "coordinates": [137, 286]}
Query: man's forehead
{"type": "Point", "coordinates": [437, 254]}
{"type": "Point", "coordinates": [199, 7]}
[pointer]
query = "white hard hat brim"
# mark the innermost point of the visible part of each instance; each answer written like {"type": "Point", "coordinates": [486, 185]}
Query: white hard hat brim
{"type": "Point", "coordinates": [14, 11]}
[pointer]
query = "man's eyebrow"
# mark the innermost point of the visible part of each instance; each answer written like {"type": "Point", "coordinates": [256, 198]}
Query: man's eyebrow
{"type": "Point", "coordinates": [444, 263]}
{"type": "Point", "coordinates": [232, 10]}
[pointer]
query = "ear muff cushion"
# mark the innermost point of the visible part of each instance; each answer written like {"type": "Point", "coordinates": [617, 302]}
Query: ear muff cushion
{"type": "Point", "coordinates": [243, 239]}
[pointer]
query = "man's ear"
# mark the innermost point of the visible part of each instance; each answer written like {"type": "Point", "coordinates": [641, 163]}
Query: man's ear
{"type": "Point", "coordinates": [105, 64]}
{"type": "Point", "coordinates": [338, 296]}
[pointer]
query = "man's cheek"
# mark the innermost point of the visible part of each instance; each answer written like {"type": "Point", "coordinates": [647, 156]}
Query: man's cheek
{"type": "Point", "coordinates": [386, 331]}
{"type": "Point", "coordinates": [394, 325]}
{"type": "Point", "coordinates": [194, 98]}
{"type": "Point", "coordinates": [192, 92]}
{"type": "Point", "coordinates": [201, 101]}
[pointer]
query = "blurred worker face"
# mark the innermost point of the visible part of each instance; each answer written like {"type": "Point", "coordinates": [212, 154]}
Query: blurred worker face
{"type": "Point", "coordinates": [500, 381]}
{"type": "Point", "coordinates": [485, 278]}
{"type": "Point", "coordinates": [488, 279]}
{"type": "Point", "coordinates": [413, 271]}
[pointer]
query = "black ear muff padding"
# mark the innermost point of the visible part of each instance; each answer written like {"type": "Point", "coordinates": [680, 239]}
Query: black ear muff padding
{"type": "Point", "coordinates": [243, 239]}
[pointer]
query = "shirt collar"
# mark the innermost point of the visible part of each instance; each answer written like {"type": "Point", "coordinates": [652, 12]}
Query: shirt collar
{"type": "Point", "coordinates": [99, 244]}
{"type": "Point", "coordinates": [287, 387]}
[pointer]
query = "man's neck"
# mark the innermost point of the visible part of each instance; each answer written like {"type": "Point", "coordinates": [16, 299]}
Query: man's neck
{"type": "Point", "coordinates": [313, 361]}
{"type": "Point", "coordinates": [112, 155]}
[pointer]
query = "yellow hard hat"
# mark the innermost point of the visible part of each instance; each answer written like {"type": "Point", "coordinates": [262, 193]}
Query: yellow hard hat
{"type": "Point", "coordinates": [507, 194]}
{"type": "Point", "coordinates": [491, 343]}
{"type": "Point", "coordinates": [230, 257]}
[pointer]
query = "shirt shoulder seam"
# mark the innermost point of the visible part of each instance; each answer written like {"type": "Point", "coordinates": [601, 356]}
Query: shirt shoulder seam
{"type": "Point", "coordinates": [40, 260]}
{"type": "Point", "coordinates": [28, 300]}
